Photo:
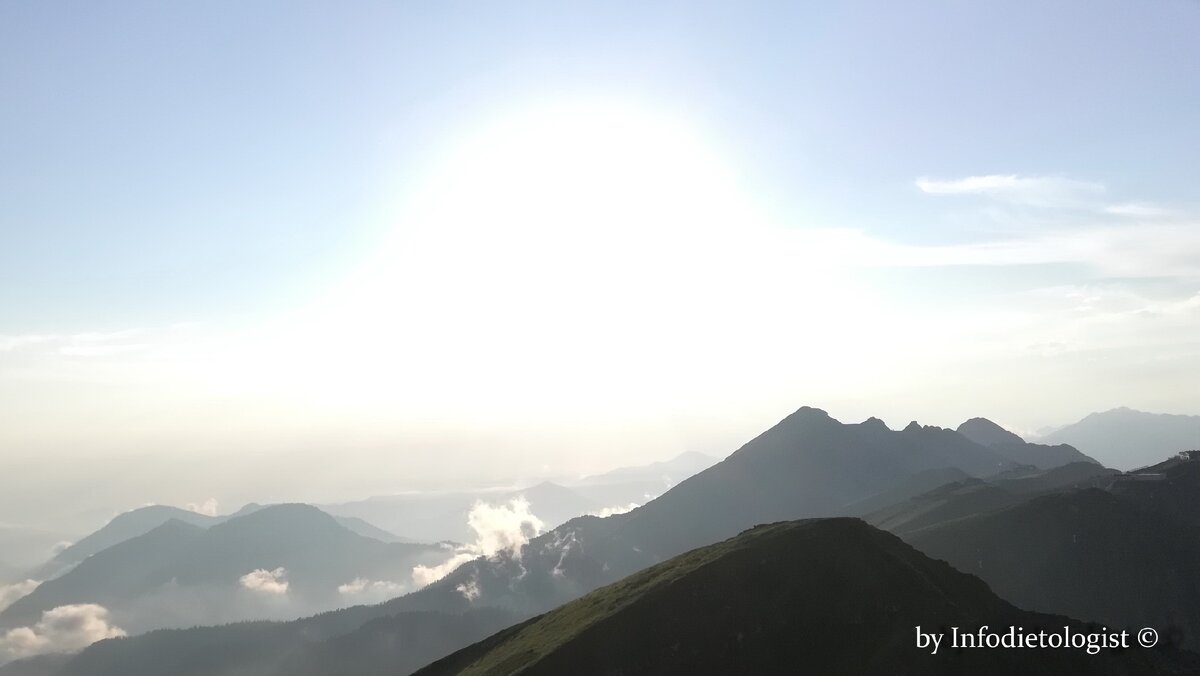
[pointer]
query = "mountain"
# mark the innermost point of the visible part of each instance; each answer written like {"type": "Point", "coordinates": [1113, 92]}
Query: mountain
{"type": "Point", "coordinates": [122, 527]}
{"type": "Point", "coordinates": [1092, 554]}
{"type": "Point", "coordinates": [1125, 438]}
{"type": "Point", "coordinates": [278, 561]}
{"type": "Point", "coordinates": [142, 520]}
{"type": "Point", "coordinates": [807, 465]}
{"type": "Point", "coordinates": [830, 596]}
{"type": "Point", "coordinates": [987, 433]}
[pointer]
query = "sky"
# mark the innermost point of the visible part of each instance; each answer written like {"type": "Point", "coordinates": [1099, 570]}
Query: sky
{"type": "Point", "coordinates": [308, 250]}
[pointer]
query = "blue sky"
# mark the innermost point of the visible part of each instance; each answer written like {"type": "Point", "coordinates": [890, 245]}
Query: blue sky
{"type": "Point", "coordinates": [172, 161]}
{"type": "Point", "coordinates": [195, 178]}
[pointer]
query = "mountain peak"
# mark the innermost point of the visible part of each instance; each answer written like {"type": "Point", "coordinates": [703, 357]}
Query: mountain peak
{"type": "Point", "coordinates": [809, 412]}
{"type": "Point", "coordinates": [985, 432]}
{"type": "Point", "coordinates": [874, 423]}
{"type": "Point", "coordinates": [913, 426]}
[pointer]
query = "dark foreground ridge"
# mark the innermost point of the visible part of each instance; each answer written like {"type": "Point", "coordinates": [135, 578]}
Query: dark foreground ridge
{"type": "Point", "coordinates": [827, 596]}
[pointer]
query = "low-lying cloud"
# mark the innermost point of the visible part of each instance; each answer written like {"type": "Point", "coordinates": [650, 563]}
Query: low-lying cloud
{"type": "Point", "coordinates": [504, 527]}
{"type": "Point", "coordinates": [362, 588]}
{"type": "Point", "coordinates": [61, 629]}
{"type": "Point", "coordinates": [207, 508]}
{"type": "Point", "coordinates": [427, 575]}
{"type": "Point", "coordinates": [9, 593]}
{"type": "Point", "coordinates": [616, 509]}
{"type": "Point", "coordinates": [273, 582]}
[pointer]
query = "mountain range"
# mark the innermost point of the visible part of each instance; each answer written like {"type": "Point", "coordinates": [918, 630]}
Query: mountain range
{"type": "Point", "coordinates": [275, 561]}
{"type": "Point", "coordinates": [1127, 439]}
{"type": "Point", "coordinates": [922, 482]}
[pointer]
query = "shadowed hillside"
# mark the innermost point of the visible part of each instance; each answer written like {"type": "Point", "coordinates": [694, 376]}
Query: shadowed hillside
{"type": "Point", "coordinates": [827, 597]}
{"type": "Point", "coordinates": [1089, 554]}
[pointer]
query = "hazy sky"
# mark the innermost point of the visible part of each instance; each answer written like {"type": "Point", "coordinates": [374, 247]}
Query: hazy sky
{"type": "Point", "coordinates": [421, 241]}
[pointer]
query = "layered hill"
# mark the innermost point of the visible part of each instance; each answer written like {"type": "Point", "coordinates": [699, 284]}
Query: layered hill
{"type": "Point", "coordinates": [830, 596]}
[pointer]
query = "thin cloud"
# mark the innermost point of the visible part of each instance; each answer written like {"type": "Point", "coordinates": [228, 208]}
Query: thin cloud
{"type": "Point", "coordinates": [1138, 210]}
{"type": "Point", "coordinates": [1044, 191]}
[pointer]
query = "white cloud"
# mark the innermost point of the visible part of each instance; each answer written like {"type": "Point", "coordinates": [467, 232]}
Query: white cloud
{"type": "Point", "coordinates": [9, 593]}
{"type": "Point", "coordinates": [1040, 191]}
{"type": "Point", "coordinates": [207, 508]}
{"type": "Point", "coordinates": [265, 581]}
{"type": "Point", "coordinates": [62, 629]}
{"type": "Point", "coordinates": [616, 509]}
{"type": "Point", "coordinates": [564, 544]}
{"type": "Point", "coordinates": [469, 589]}
{"type": "Point", "coordinates": [362, 587]}
{"type": "Point", "coordinates": [426, 575]}
{"type": "Point", "coordinates": [503, 527]}
{"type": "Point", "coordinates": [498, 528]}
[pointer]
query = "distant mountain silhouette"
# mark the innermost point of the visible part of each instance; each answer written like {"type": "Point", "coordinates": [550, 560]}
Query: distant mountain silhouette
{"type": "Point", "coordinates": [180, 574]}
{"type": "Point", "coordinates": [828, 596]}
{"type": "Point", "coordinates": [142, 520]}
{"type": "Point", "coordinates": [985, 432]}
{"type": "Point", "coordinates": [669, 472]}
{"type": "Point", "coordinates": [1126, 439]}
{"type": "Point", "coordinates": [122, 527]}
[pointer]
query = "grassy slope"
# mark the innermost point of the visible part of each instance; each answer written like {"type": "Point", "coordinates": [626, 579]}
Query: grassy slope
{"type": "Point", "coordinates": [825, 596]}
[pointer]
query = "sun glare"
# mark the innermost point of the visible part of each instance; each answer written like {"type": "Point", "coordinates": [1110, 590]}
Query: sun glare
{"type": "Point", "coordinates": [552, 257]}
